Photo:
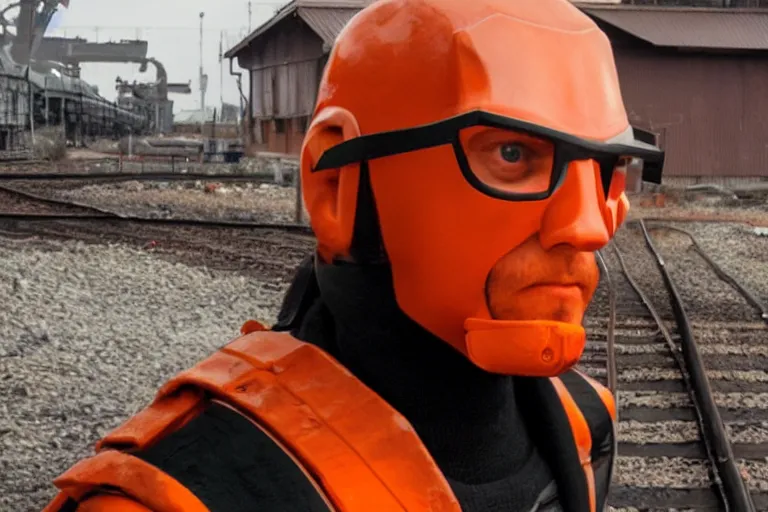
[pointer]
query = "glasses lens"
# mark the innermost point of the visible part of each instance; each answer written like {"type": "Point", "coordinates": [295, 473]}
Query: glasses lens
{"type": "Point", "coordinates": [507, 160]}
{"type": "Point", "coordinates": [626, 164]}
{"type": "Point", "coordinates": [616, 171]}
{"type": "Point", "coordinates": [626, 168]}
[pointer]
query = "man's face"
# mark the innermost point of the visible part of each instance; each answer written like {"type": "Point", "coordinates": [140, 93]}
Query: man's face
{"type": "Point", "coordinates": [532, 283]}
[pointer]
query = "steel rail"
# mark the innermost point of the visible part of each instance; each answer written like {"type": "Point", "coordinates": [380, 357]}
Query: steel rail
{"type": "Point", "coordinates": [100, 215]}
{"type": "Point", "coordinates": [679, 361]}
{"type": "Point", "coordinates": [689, 219]}
{"type": "Point", "coordinates": [134, 176]}
{"type": "Point", "coordinates": [42, 161]}
{"type": "Point", "coordinates": [735, 494]}
{"type": "Point", "coordinates": [56, 202]}
{"type": "Point", "coordinates": [721, 273]}
{"type": "Point", "coordinates": [610, 343]}
{"type": "Point", "coordinates": [20, 160]}
{"type": "Point", "coordinates": [115, 219]}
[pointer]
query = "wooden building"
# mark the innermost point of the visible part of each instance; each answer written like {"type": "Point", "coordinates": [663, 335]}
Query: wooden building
{"type": "Point", "coordinates": [697, 78]}
{"type": "Point", "coordinates": [285, 58]}
{"type": "Point", "coordinates": [694, 76]}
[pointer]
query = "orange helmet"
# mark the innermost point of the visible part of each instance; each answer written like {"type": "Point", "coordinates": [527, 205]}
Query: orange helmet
{"type": "Point", "coordinates": [416, 99]}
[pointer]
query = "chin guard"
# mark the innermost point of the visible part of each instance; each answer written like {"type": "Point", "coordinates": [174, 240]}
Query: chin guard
{"type": "Point", "coordinates": [538, 348]}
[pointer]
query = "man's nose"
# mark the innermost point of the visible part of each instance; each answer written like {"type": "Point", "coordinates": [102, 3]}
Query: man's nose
{"type": "Point", "coordinates": [573, 216]}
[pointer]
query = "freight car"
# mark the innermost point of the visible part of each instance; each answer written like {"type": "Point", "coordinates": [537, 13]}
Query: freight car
{"type": "Point", "coordinates": [58, 99]}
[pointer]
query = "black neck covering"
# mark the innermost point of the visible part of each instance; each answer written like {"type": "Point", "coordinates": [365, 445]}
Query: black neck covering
{"type": "Point", "coordinates": [468, 419]}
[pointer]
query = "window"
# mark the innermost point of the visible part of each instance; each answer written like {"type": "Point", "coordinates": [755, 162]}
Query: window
{"type": "Point", "coordinates": [263, 131]}
{"type": "Point", "coordinates": [301, 124]}
{"type": "Point", "coordinates": [279, 125]}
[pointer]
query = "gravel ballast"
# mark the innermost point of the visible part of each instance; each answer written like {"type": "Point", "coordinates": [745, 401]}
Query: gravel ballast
{"type": "Point", "coordinates": [244, 202]}
{"type": "Point", "coordinates": [661, 460]}
{"type": "Point", "coordinates": [87, 335]}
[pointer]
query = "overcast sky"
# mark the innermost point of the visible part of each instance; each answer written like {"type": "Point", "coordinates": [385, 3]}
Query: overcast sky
{"type": "Point", "coordinates": [172, 29]}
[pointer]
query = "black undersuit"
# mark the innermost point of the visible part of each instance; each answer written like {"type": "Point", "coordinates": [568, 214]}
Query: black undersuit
{"type": "Point", "coordinates": [468, 419]}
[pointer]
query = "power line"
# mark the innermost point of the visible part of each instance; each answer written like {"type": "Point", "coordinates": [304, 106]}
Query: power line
{"type": "Point", "coordinates": [142, 27]}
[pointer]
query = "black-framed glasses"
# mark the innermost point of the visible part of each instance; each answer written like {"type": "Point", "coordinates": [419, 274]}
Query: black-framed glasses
{"type": "Point", "coordinates": [506, 158]}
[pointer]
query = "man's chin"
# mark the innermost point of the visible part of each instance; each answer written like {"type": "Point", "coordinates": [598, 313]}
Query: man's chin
{"type": "Point", "coordinates": [542, 302]}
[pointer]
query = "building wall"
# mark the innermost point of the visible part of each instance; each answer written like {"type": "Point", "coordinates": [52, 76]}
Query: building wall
{"type": "Point", "coordinates": [710, 111]}
{"type": "Point", "coordinates": [283, 135]}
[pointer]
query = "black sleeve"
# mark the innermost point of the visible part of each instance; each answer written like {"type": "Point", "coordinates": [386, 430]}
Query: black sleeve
{"type": "Point", "coordinates": [232, 465]}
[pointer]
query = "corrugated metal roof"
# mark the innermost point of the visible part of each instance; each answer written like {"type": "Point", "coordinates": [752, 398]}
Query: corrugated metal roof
{"type": "Point", "coordinates": [736, 29]}
{"type": "Point", "coordinates": [281, 14]}
{"type": "Point", "coordinates": [327, 23]}
{"type": "Point", "coordinates": [334, 4]}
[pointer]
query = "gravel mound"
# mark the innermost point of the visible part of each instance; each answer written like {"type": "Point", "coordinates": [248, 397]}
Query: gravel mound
{"type": "Point", "coordinates": [197, 200]}
{"type": "Point", "coordinates": [87, 335]}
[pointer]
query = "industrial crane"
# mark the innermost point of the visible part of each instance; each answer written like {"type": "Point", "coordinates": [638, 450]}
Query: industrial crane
{"type": "Point", "coordinates": [29, 48]}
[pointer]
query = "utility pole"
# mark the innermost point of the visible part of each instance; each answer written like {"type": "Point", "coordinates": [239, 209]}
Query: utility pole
{"type": "Point", "coordinates": [249, 17]}
{"type": "Point", "coordinates": [221, 70]}
{"type": "Point", "coordinates": [202, 76]}
{"type": "Point", "coordinates": [30, 93]}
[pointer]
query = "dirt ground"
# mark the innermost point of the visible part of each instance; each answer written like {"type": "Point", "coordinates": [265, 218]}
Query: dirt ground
{"type": "Point", "coordinates": [748, 206]}
{"type": "Point", "coordinates": [193, 199]}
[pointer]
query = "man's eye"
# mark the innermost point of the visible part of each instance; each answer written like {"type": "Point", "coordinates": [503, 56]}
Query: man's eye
{"type": "Point", "coordinates": [512, 153]}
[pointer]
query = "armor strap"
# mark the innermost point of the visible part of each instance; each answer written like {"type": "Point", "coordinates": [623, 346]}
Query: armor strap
{"type": "Point", "coordinates": [591, 412]}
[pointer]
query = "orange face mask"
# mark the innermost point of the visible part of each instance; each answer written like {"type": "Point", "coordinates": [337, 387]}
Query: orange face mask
{"type": "Point", "coordinates": [522, 133]}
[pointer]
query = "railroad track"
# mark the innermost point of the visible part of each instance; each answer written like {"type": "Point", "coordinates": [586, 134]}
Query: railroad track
{"type": "Point", "coordinates": [688, 440]}
{"type": "Point", "coordinates": [19, 207]}
{"type": "Point", "coordinates": [667, 439]}
{"type": "Point", "coordinates": [117, 177]}
{"type": "Point", "coordinates": [250, 248]}
{"type": "Point", "coordinates": [29, 161]}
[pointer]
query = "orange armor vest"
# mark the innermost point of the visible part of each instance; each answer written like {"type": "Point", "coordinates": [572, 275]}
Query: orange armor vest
{"type": "Point", "coordinates": [357, 451]}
